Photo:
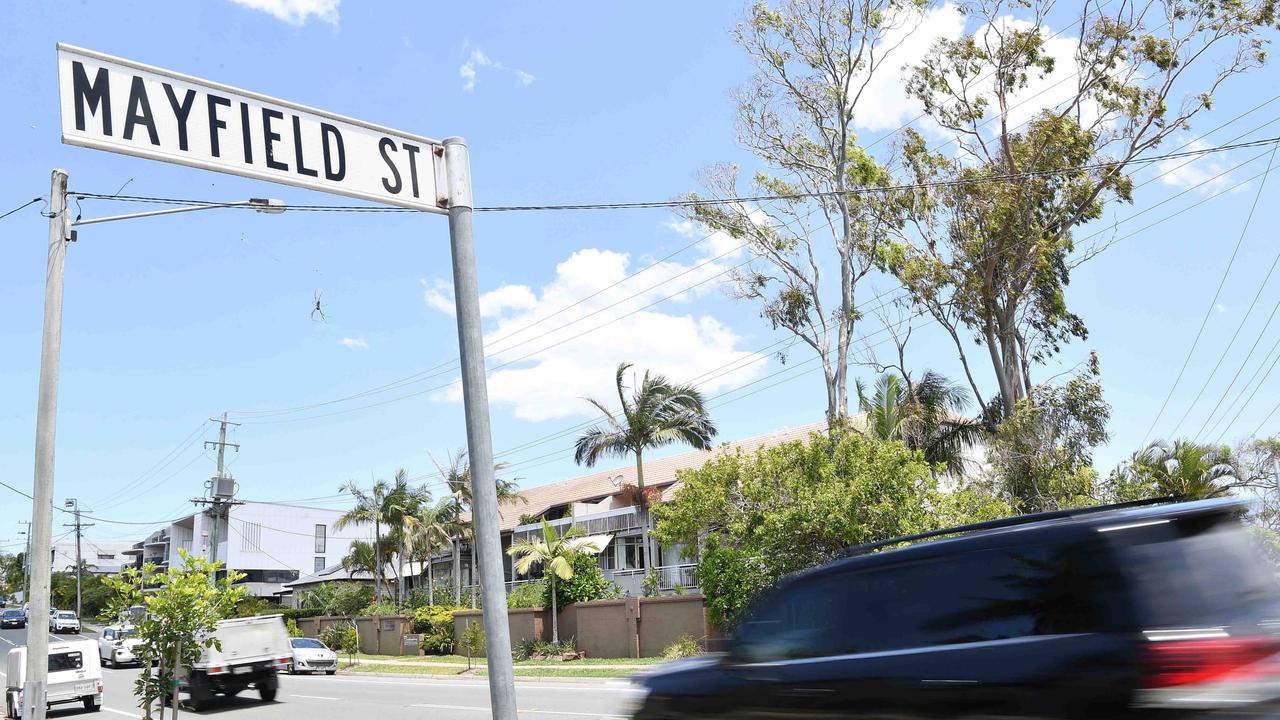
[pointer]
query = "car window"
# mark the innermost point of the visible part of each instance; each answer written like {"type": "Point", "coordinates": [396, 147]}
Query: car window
{"type": "Point", "coordinates": [108, 634]}
{"type": "Point", "coordinates": [803, 620]}
{"type": "Point", "coordinates": [60, 662]}
{"type": "Point", "coordinates": [66, 616]}
{"type": "Point", "coordinates": [126, 633]}
{"type": "Point", "coordinates": [308, 643]}
{"type": "Point", "coordinates": [1195, 572]}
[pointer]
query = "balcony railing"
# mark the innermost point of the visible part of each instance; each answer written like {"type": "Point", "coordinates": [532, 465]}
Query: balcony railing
{"type": "Point", "coordinates": [601, 523]}
{"type": "Point", "coordinates": [670, 576]}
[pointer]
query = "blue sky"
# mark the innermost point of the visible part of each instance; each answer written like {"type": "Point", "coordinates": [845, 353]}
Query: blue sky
{"type": "Point", "coordinates": [169, 321]}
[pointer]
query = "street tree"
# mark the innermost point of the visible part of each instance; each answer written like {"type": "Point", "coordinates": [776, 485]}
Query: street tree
{"type": "Point", "coordinates": [555, 553]}
{"type": "Point", "coordinates": [810, 250]}
{"type": "Point", "coordinates": [432, 530]}
{"type": "Point", "coordinates": [657, 413]}
{"type": "Point", "coordinates": [1183, 469]}
{"type": "Point", "coordinates": [373, 506]}
{"type": "Point", "coordinates": [456, 473]}
{"type": "Point", "coordinates": [362, 556]}
{"type": "Point", "coordinates": [990, 248]}
{"type": "Point", "coordinates": [184, 604]}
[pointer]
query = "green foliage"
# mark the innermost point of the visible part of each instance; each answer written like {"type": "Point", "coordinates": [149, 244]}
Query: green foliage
{"type": "Point", "coordinates": [528, 595]}
{"type": "Point", "coordinates": [471, 641]}
{"type": "Point", "coordinates": [94, 595]}
{"type": "Point", "coordinates": [251, 606]}
{"type": "Point", "coordinates": [332, 635]}
{"type": "Point", "coordinates": [291, 626]}
{"type": "Point", "coordinates": [182, 612]}
{"type": "Point", "coordinates": [684, 647]}
{"type": "Point", "coordinates": [925, 414]}
{"type": "Point", "coordinates": [586, 584]}
{"type": "Point", "coordinates": [349, 640]}
{"type": "Point", "coordinates": [787, 507]}
{"type": "Point", "coordinates": [435, 623]}
{"type": "Point", "coordinates": [385, 609]}
{"type": "Point", "coordinates": [525, 648]}
{"type": "Point", "coordinates": [1183, 469]}
{"type": "Point", "coordinates": [349, 598]}
{"type": "Point", "coordinates": [417, 598]}
{"type": "Point", "coordinates": [1042, 455]}
{"type": "Point", "coordinates": [652, 583]}
{"type": "Point", "coordinates": [558, 555]}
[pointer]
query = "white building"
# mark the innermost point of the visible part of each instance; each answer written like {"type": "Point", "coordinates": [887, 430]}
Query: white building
{"type": "Point", "coordinates": [103, 557]}
{"type": "Point", "coordinates": [270, 543]}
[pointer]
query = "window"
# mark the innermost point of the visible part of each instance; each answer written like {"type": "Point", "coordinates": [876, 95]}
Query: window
{"type": "Point", "coordinates": [631, 553]}
{"type": "Point", "coordinates": [269, 576]}
{"type": "Point", "coordinates": [106, 556]}
{"type": "Point", "coordinates": [108, 634]}
{"type": "Point", "coordinates": [320, 537]}
{"type": "Point", "coordinates": [61, 662]}
{"type": "Point", "coordinates": [967, 597]}
{"type": "Point", "coordinates": [319, 564]}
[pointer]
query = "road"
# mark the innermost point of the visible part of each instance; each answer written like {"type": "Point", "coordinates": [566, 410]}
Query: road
{"type": "Point", "coordinates": [348, 697]}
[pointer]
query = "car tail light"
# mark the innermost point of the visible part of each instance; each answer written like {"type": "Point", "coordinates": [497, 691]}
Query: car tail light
{"type": "Point", "coordinates": [99, 687]}
{"type": "Point", "coordinates": [283, 661]}
{"type": "Point", "coordinates": [215, 669]}
{"type": "Point", "coordinates": [1188, 662]}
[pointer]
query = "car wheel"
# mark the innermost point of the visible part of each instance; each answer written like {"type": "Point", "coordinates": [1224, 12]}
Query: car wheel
{"type": "Point", "coordinates": [330, 672]}
{"type": "Point", "coordinates": [267, 694]}
{"type": "Point", "coordinates": [90, 705]}
{"type": "Point", "coordinates": [106, 661]}
{"type": "Point", "coordinates": [290, 669]}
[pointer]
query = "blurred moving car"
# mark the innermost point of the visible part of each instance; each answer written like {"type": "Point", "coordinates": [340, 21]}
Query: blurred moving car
{"type": "Point", "coordinates": [13, 618]}
{"type": "Point", "coordinates": [250, 653]}
{"type": "Point", "coordinates": [117, 645]}
{"type": "Point", "coordinates": [311, 655]}
{"type": "Point", "coordinates": [74, 677]}
{"type": "Point", "coordinates": [1147, 609]}
{"type": "Point", "coordinates": [64, 621]}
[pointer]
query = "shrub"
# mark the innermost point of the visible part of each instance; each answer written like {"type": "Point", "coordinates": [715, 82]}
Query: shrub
{"type": "Point", "coordinates": [653, 583]}
{"type": "Point", "coordinates": [291, 626]}
{"type": "Point", "coordinates": [333, 635]}
{"type": "Point", "coordinates": [529, 595]}
{"type": "Point", "coordinates": [684, 647]}
{"type": "Point", "coordinates": [252, 606]}
{"type": "Point", "coordinates": [417, 598]}
{"type": "Point", "coordinates": [471, 641]}
{"type": "Point", "coordinates": [435, 623]}
{"type": "Point", "coordinates": [348, 598]}
{"type": "Point", "coordinates": [379, 610]}
{"type": "Point", "coordinates": [588, 583]}
{"type": "Point", "coordinates": [526, 648]}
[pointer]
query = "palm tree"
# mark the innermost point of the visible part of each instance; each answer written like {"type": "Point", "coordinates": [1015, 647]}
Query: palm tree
{"type": "Point", "coordinates": [363, 556]}
{"type": "Point", "coordinates": [658, 413]}
{"type": "Point", "coordinates": [399, 509]}
{"type": "Point", "coordinates": [456, 473]}
{"type": "Point", "coordinates": [1184, 469]}
{"type": "Point", "coordinates": [431, 530]}
{"type": "Point", "coordinates": [556, 553]}
{"type": "Point", "coordinates": [926, 415]}
{"type": "Point", "coordinates": [379, 505]}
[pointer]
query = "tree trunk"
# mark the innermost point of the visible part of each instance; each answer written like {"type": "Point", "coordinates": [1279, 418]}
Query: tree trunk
{"type": "Point", "coordinates": [431, 580]}
{"type": "Point", "coordinates": [555, 613]}
{"type": "Point", "coordinates": [472, 575]}
{"type": "Point", "coordinates": [400, 571]}
{"type": "Point", "coordinates": [457, 574]}
{"type": "Point", "coordinates": [643, 506]}
{"type": "Point", "coordinates": [377, 560]}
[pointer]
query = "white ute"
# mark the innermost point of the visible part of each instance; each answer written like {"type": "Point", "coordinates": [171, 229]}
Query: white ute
{"type": "Point", "coordinates": [74, 676]}
{"type": "Point", "coordinates": [254, 650]}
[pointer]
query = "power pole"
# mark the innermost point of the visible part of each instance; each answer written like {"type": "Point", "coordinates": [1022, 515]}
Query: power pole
{"type": "Point", "coordinates": [219, 498]}
{"type": "Point", "coordinates": [74, 503]}
{"type": "Point", "coordinates": [33, 707]}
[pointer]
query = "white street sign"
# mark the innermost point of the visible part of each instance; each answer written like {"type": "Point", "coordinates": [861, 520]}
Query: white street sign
{"type": "Point", "coordinates": [118, 105]}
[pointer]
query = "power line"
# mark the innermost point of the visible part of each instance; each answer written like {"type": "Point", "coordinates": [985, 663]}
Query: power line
{"type": "Point", "coordinates": [30, 202]}
{"type": "Point", "coordinates": [1200, 331]}
{"type": "Point", "coordinates": [702, 202]}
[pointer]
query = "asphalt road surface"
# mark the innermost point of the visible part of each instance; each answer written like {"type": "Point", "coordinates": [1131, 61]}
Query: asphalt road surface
{"type": "Point", "coordinates": [352, 697]}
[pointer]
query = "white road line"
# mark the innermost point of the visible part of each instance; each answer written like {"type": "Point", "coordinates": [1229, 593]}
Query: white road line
{"type": "Point", "coordinates": [522, 712]}
{"type": "Point", "coordinates": [314, 697]}
{"type": "Point", "coordinates": [11, 643]}
{"type": "Point", "coordinates": [120, 712]}
{"type": "Point", "coordinates": [479, 684]}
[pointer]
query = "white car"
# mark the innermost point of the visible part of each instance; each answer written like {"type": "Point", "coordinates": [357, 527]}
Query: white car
{"type": "Point", "coordinates": [64, 621]}
{"type": "Point", "coordinates": [74, 677]}
{"type": "Point", "coordinates": [311, 655]}
{"type": "Point", "coordinates": [117, 645]}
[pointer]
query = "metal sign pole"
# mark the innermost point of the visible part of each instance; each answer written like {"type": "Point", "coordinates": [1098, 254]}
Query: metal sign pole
{"type": "Point", "coordinates": [33, 704]}
{"type": "Point", "coordinates": [475, 398]}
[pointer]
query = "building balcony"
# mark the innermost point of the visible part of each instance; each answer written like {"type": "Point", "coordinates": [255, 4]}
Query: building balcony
{"type": "Point", "coordinates": [607, 522]}
{"type": "Point", "coordinates": [670, 578]}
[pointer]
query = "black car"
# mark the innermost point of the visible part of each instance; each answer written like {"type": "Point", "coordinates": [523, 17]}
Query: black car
{"type": "Point", "coordinates": [1143, 610]}
{"type": "Point", "coordinates": [13, 618]}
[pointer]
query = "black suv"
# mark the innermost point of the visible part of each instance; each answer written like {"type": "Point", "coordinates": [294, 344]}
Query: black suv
{"type": "Point", "coordinates": [1147, 610]}
{"type": "Point", "coordinates": [13, 618]}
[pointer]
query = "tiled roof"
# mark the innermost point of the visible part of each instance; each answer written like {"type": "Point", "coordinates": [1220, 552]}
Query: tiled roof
{"type": "Point", "coordinates": [657, 473]}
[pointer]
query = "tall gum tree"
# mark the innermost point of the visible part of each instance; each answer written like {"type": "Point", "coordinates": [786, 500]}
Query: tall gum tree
{"type": "Point", "coordinates": [990, 256]}
{"type": "Point", "coordinates": [809, 251]}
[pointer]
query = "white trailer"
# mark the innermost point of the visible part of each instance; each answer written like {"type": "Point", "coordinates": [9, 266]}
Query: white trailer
{"type": "Point", "coordinates": [253, 650]}
{"type": "Point", "coordinates": [75, 676]}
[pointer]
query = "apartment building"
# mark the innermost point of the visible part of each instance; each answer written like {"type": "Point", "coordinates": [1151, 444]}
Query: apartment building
{"type": "Point", "coordinates": [102, 557]}
{"type": "Point", "coordinates": [603, 502]}
{"type": "Point", "coordinates": [270, 543]}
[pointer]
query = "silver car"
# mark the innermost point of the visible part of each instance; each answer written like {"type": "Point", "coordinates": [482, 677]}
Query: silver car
{"type": "Point", "coordinates": [312, 656]}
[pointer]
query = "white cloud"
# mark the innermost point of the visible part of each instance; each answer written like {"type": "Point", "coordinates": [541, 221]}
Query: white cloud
{"type": "Point", "coordinates": [885, 104]}
{"type": "Point", "coordinates": [354, 343]}
{"type": "Point", "coordinates": [561, 368]}
{"type": "Point", "coordinates": [1188, 172]}
{"type": "Point", "coordinates": [477, 59]}
{"type": "Point", "coordinates": [296, 12]}
{"type": "Point", "coordinates": [1219, 307]}
{"type": "Point", "coordinates": [438, 294]}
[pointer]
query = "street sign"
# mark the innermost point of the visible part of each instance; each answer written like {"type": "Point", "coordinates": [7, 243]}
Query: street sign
{"type": "Point", "coordinates": [122, 106]}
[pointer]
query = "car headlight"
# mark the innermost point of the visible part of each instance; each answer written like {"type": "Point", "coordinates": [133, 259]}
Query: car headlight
{"type": "Point", "coordinates": [634, 695]}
